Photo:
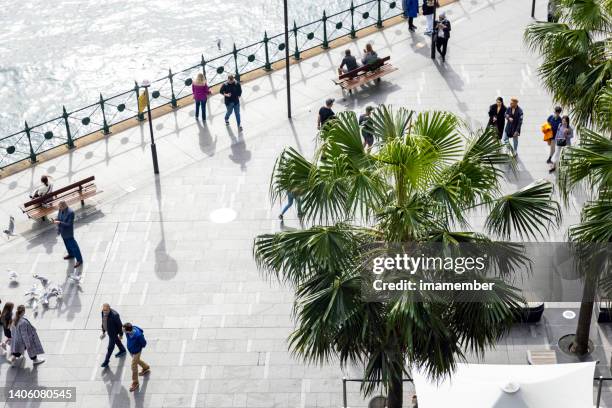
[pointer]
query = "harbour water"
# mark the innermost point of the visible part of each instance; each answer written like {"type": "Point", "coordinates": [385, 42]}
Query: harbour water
{"type": "Point", "coordinates": [67, 52]}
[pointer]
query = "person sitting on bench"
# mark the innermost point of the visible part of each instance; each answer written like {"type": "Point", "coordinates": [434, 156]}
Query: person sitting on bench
{"type": "Point", "coordinates": [370, 56]}
{"type": "Point", "coordinates": [349, 62]}
{"type": "Point", "coordinates": [45, 188]}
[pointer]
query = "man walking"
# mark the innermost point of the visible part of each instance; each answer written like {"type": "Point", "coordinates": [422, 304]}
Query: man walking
{"type": "Point", "coordinates": [443, 27]}
{"type": "Point", "coordinates": [232, 91]}
{"type": "Point", "coordinates": [135, 343]}
{"type": "Point", "coordinates": [325, 113]}
{"type": "Point", "coordinates": [366, 131]}
{"type": "Point", "coordinates": [514, 121]}
{"type": "Point", "coordinates": [111, 325]}
{"type": "Point", "coordinates": [65, 228]}
{"type": "Point", "coordinates": [554, 120]}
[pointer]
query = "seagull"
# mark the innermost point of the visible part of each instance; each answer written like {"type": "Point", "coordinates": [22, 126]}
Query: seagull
{"type": "Point", "coordinates": [44, 281]}
{"type": "Point", "coordinates": [12, 275]}
{"type": "Point", "coordinates": [219, 44]}
{"type": "Point", "coordinates": [10, 230]}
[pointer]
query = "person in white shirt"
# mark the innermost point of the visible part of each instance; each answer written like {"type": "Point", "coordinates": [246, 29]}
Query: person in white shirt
{"type": "Point", "coordinates": [45, 188]}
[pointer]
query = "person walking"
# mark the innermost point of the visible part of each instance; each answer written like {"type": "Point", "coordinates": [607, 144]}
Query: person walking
{"type": "Point", "coordinates": [564, 136]}
{"type": "Point", "coordinates": [443, 28]}
{"type": "Point", "coordinates": [65, 228]}
{"type": "Point", "coordinates": [291, 197]}
{"type": "Point", "coordinates": [514, 121]}
{"type": "Point", "coordinates": [232, 91]}
{"type": "Point", "coordinates": [411, 10]}
{"type": "Point", "coordinates": [325, 113]}
{"type": "Point", "coordinates": [429, 7]}
{"type": "Point", "coordinates": [349, 62]}
{"type": "Point", "coordinates": [555, 121]}
{"type": "Point", "coordinates": [24, 337]}
{"type": "Point", "coordinates": [366, 133]}
{"type": "Point", "coordinates": [497, 118]}
{"type": "Point", "coordinates": [135, 343]}
{"type": "Point", "coordinates": [6, 318]}
{"type": "Point", "coordinates": [200, 94]}
{"type": "Point", "coordinates": [111, 325]}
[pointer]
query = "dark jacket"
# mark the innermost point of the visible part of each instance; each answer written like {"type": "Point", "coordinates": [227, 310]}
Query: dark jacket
{"type": "Point", "coordinates": [429, 6]}
{"type": "Point", "coordinates": [554, 123]}
{"type": "Point", "coordinates": [514, 126]}
{"type": "Point", "coordinates": [500, 118]}
{"type": "Point", "coordinates": [66, 223]}
{"type": "Point", "coordinates": [411, 8]}
{"type": "Point", "coordinates": [113, 324]}
{"type": "Point", "coordinates": [136, 340]}
{"type": "Point", "coordinates": [447, 30]}
{"type": "Point", "coordinates": [234, 89]}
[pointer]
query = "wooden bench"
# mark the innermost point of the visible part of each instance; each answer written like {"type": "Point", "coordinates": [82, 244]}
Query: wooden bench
{"type": "Point", "coordinates": [40, 207]}
{"type": "Point", "coordinates": [539, 357]}
{"type": "Point", "coordinates": [364, 74]}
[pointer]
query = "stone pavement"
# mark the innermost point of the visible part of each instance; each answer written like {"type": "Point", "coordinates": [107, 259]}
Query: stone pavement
{"type": "Point", "coordinates": [173, 254]}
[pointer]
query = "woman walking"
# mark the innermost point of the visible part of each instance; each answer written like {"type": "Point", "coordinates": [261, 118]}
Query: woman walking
{"type": "Point", "coordinates": [6, 318]}
{"type": "Point", "coordinates": [497, 118]}
{"type": "Point", "coordinates": [200, 94]}
{"type": "Point", "coordinates": [564, 136]}
{"type": "Point", "coordinates": [24, 337]}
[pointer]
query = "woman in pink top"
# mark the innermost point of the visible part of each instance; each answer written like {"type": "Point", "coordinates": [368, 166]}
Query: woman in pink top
{"type": "Point", "coordinates": [200, 93]}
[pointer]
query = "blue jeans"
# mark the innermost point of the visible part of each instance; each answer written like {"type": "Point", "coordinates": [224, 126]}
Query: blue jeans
{"type": "Point", "coordinates": [73, 248]}
{"type": "Point", "coordinates": [514, 141]}
{"type": "Point", "coordinates": [203, 105]}
{"type": "Point", "coordinates": [235, 107]}
{"type": "Point", "coordinates": [291, 198]}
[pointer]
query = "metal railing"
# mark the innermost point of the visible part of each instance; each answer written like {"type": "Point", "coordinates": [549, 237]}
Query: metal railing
{"type": "Point", "coordinates": [33, 140]}
{"type": "Point", "coordinates": [599, 380]}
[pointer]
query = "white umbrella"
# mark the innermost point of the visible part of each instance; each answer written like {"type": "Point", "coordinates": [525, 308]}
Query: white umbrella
{"type": "Point", "coordinates": [509, 386]}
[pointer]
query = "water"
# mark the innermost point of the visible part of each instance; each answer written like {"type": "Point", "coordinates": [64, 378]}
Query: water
{"type": "Point", "coordinates": [60, 52]}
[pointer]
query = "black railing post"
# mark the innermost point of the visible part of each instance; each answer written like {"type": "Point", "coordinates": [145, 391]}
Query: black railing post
{"type": "Point", "coordinates": [267, 66]}
{"type": "Point", "coordinates": [137, 91]}
{"type": "Point", "coordinates": [296, 54]}
{"type": "Point", "coordinates": [344, 404]}
{"type": "Point", "coordinates": [32, 154]}
{"type": "Point", "coordinates": [433, 35]}
{"type": "Point", "coordinates": [105, 128]}
{"type": "Point", "coordinates": [235, 52]}
{"type": "Point", "coordinates": [353, 32]}
{"type": "Point", "coordinates": [203, 66]}
{"type": "Point", "coordinates": [379, 22]}
{"type": "Point", "coordinates": [598, 388]}
{"type": "Point", "coordinates": [325, 42]}
{"type": "Point", "coordinates": [173, 99]}
{"type": "Point", "coordinates": [69, 140]}
{"type": "Point", "coordinates": [533, 8]}
{"type": "Point", "coordinates": [287, 71]}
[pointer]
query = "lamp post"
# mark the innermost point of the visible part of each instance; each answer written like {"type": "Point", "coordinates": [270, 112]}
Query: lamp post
{"type": "Point", "coordinates": [146, 84]}
{"type": "Point", "coordinates": [287, 58]}
{"type": "Point", "coordinates": [434, 33]}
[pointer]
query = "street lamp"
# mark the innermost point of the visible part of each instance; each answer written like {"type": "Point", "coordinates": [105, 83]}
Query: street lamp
{"type": "Point", "coordinates": [146, 84]}
{"type": "Point", "coordinates": [434, 33]}
{"type": "Point", "coordinates": [287, 58]}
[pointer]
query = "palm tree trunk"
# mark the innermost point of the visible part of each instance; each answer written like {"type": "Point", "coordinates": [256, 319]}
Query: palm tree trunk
{"type": "Point", "coordinates": [396, 393]}
{"type": "Point", "coordinates": [581, 341]}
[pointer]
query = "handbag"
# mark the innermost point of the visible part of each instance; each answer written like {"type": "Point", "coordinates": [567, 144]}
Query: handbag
{"type": "Point", "coordinates": [561, 142]}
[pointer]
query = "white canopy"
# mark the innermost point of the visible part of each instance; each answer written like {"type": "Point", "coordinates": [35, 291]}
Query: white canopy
{"type": "Point", "coordinates": [534, 386]}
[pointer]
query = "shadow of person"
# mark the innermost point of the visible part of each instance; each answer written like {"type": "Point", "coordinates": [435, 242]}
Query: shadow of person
{"type": "Point", "coordinates": [141, 392]}
{"type": "Point", "coordinates": [71, 301]}
{"type": "Point", "coordinates": [118, 395]}
{"type": "Point", "coordinates": [26, 378]}
{"type": "Point", "coordinates": [166, 266]}
{"type": "Point", "coordinates": [240, 154]}
{"type": "Point", "coordinates": [208, 145]}
{"type": "Point", "coordinates": [47, 239]}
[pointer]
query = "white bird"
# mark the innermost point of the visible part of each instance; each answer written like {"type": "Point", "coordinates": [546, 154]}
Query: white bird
{"type": "Point", "coordinates": [12, 275]}
{"type": "Point", "coordinates": [10, 230]}
{"type": "Point", "coordinates": [44, 281]}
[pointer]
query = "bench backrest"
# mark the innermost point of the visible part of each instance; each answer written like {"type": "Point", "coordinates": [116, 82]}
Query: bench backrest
{"type": "Point", "coordinates": [364, 68]}
{"type": "Point", "coordinates": [56, 193]}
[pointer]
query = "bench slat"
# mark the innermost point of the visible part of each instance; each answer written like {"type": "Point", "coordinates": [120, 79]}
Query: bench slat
{"type": "Point", "coordinates": [72, 193]}
{"type": "Point", "coordinates": [40, 200]}
{"type": "Point", "coordinates": [40, 212]}
{"type": "Point", "coordinates": [357, 82]}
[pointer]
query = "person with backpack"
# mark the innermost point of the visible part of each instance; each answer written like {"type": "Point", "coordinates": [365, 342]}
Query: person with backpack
{"type": "Point", "coordinates": [24, 337]}
{"type": "Point", "coordinates": [135, 343]}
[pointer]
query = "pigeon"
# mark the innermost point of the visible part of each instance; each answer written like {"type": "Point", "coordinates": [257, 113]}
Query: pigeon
{"type": "Point", "coordinates": [44, 281]}
{"type": "Point", "coordinates": [34, 297]}
{"type": "Point", "coordinates": [219, 44]}
{"type": "Point", "coordinates": [12, 275]}
{"type": "Point", "coordinates": [10, 230]}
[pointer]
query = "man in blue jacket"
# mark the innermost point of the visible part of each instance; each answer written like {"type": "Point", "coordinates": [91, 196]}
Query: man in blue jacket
{"type": "Point", "coordinates": [135, 343]}
{"type": "Point", "coordinates": [65, 228]}
{"type": "Point", "coordinates": [111, 325]}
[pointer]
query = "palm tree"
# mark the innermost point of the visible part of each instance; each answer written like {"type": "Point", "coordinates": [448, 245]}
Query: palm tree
{"type": "Point", "coordinates": [421, 186]}
{"type": "Point", "coordinates": [590, 164]}
{"type": "Point", "coordinates": [576, 55]}
{"type": "Point", "coordinates": [577, 70]}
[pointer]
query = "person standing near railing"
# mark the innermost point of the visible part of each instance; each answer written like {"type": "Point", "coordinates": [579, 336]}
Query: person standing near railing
{"type": "Point", "coordinates": [232, 91]}
{"type": "Point", "coordinates": [200, 94]}
{"type": "Point", "coordinates": [411, 10]}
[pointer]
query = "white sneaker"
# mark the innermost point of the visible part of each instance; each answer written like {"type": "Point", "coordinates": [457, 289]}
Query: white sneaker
{"type": "Point", "coordinates": [38, 361]}
{"type": "Point", "coordinates": [16, 361]}
{"type": "Point", "coordinates": [74, 277]}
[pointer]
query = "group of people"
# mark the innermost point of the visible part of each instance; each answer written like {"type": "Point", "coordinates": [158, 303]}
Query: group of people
{"type": "Point", "coordinates": [349, 62]}
{"type": "Point", "coordinates": [19, 336]}
{"type": "Point", "coordinates": [439, 29]}
{"type": "Point", "coordinates": [231, 91]}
